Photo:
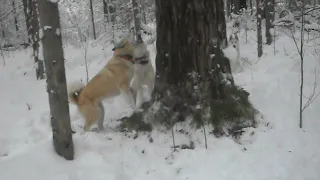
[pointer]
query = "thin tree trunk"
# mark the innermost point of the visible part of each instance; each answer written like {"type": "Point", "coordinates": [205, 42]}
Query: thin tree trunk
{"type": "Point", "coordinates": [269, 12]}
{"type": "Point", "coordinates": [259, 33]}
{"type": "Point", "coordinates": [3, 33]}
{"type": "Point", "coordinates": [56, 79]}
{"type": "Point", "coordinates": [301, 64]}
{"type": "Point", "coordinates": [105, 10]}
{"type": "Point", "coordinates": [112, 18]}
{"type": "Point", "coordinates": [228, 4]}
{"type": "Point", "coordinates": [26, 9]}
{"type": "Point", "coordinates": [35, 39]}
{"type": "Point", "coordinates": [137, 20]}
{"type": "Point", "coordinates": [235, 6]}
{"type": "Point", "coordinates": [15, 15]}
{"type": "Point", "coordinates": [143, 11]}
{"type": "Point", "coordinates": [251, 7]}
{"type": "Point", "coordinates": [92, 20]}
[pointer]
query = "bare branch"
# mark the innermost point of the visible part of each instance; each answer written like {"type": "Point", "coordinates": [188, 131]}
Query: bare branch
{"type": "Point", "coordinates": [313, 95]}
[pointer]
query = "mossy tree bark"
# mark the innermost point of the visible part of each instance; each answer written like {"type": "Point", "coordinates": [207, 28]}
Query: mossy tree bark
{"type": "Point", "coordinates": [56, 79]}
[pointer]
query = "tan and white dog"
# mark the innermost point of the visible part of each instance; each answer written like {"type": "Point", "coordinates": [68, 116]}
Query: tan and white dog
{"type": "Point", "coordinates": [144, 74]}
{"type": "Point", "coordinates": [112, 80]}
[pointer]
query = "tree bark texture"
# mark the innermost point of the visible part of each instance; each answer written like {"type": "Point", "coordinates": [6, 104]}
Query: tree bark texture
{"type": "Point", "coordinates": [15, 16]}
{"type": "Point", "coordinates": [92, 20]}
{"type": "Point", "coordinates": [259, 32]}
{"type": "Point", "coordinates": [137, 20]}
{"type": "Point", "coordinates": [229, 7]}
{"type": "Point", "coordinates": [105, 10]}
{"type": "Point", "coordinates": [26, 10]}
{"type": "Point", "coordinates": [186, 32]}
{"type": "Point", "coordinates": [221, 25]}
{"type": "Point", "coordinates": [251, 7]}
{"type": "Point", "coordinates": [143, 11]}
{"type": "Point", "coordinates": [56, 79]}
{"type": "Point", "coordinates": [35, 38]}
{"type": "Point", "coordinates": [237, 5]}
{"type": "Point", "coordinates": [269, 13]}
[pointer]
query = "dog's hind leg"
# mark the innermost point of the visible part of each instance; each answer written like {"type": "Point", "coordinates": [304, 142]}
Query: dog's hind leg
{"type": "Point", "coordinates": [102, 114]}
{"type": "Point", "coordinates": [91, 112]}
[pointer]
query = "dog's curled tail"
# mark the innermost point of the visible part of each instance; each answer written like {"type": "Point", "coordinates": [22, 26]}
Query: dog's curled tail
{"type": "Point", "coordinates": [74, 90]}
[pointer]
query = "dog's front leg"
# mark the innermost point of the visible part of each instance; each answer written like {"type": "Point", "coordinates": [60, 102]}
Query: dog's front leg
{"type": "Point", "coordinates": [128, 96]}
{"type": "Point", "coordinates": [137, 89]}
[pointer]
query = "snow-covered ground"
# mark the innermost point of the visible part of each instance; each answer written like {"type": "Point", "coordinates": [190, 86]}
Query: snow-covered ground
{"type": "Point", "coordinates": [281, 151]}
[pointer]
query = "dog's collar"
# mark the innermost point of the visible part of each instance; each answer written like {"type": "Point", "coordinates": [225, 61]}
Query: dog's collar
{"type": "Point", "coordinates": [143, 62]}
{"type": "Point", "coordinates": [127, 57]}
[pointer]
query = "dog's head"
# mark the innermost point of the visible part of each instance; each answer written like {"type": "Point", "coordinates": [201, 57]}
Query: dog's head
{"type": "Point", "coordinates": [123, 46]}
{"type": "Point", "coordinates": [234, 40]}
{"type": "Point", "coordinates": [127, 46]}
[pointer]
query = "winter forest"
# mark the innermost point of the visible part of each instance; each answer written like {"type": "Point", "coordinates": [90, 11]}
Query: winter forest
{"type": "Point", "coordinates": [160, 89]}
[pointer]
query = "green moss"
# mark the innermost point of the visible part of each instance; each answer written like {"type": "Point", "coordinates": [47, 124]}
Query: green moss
{"type": "Point", "coordinates": [134, 122]}
{"type": "Point", "coordinates": [235, 112]}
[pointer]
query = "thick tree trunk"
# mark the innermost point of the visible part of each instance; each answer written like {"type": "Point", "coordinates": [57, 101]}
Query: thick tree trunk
{"type": "Point", "coordinates": [27, 14]}
{"type": "Point", "coordinates": [185, 30]}
{"type": "Point", "coordinates": [92, 21]}
{"type": "Point", "coordinates": [34, 30]}
{"type": "Point", "coordinates": [259, 33]}
{"type": "Point", "coordinates": [269, 13]}
{"type": "Point", "coordinates": [56, 79]}
{"type": "Point", "coordinates": [193, 77]}
{"type": "Point", "coordinates": [221, 26]}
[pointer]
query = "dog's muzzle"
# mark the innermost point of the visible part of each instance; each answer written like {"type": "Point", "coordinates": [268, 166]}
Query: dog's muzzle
{"type": "Point", "coordinates": [234, 46]}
